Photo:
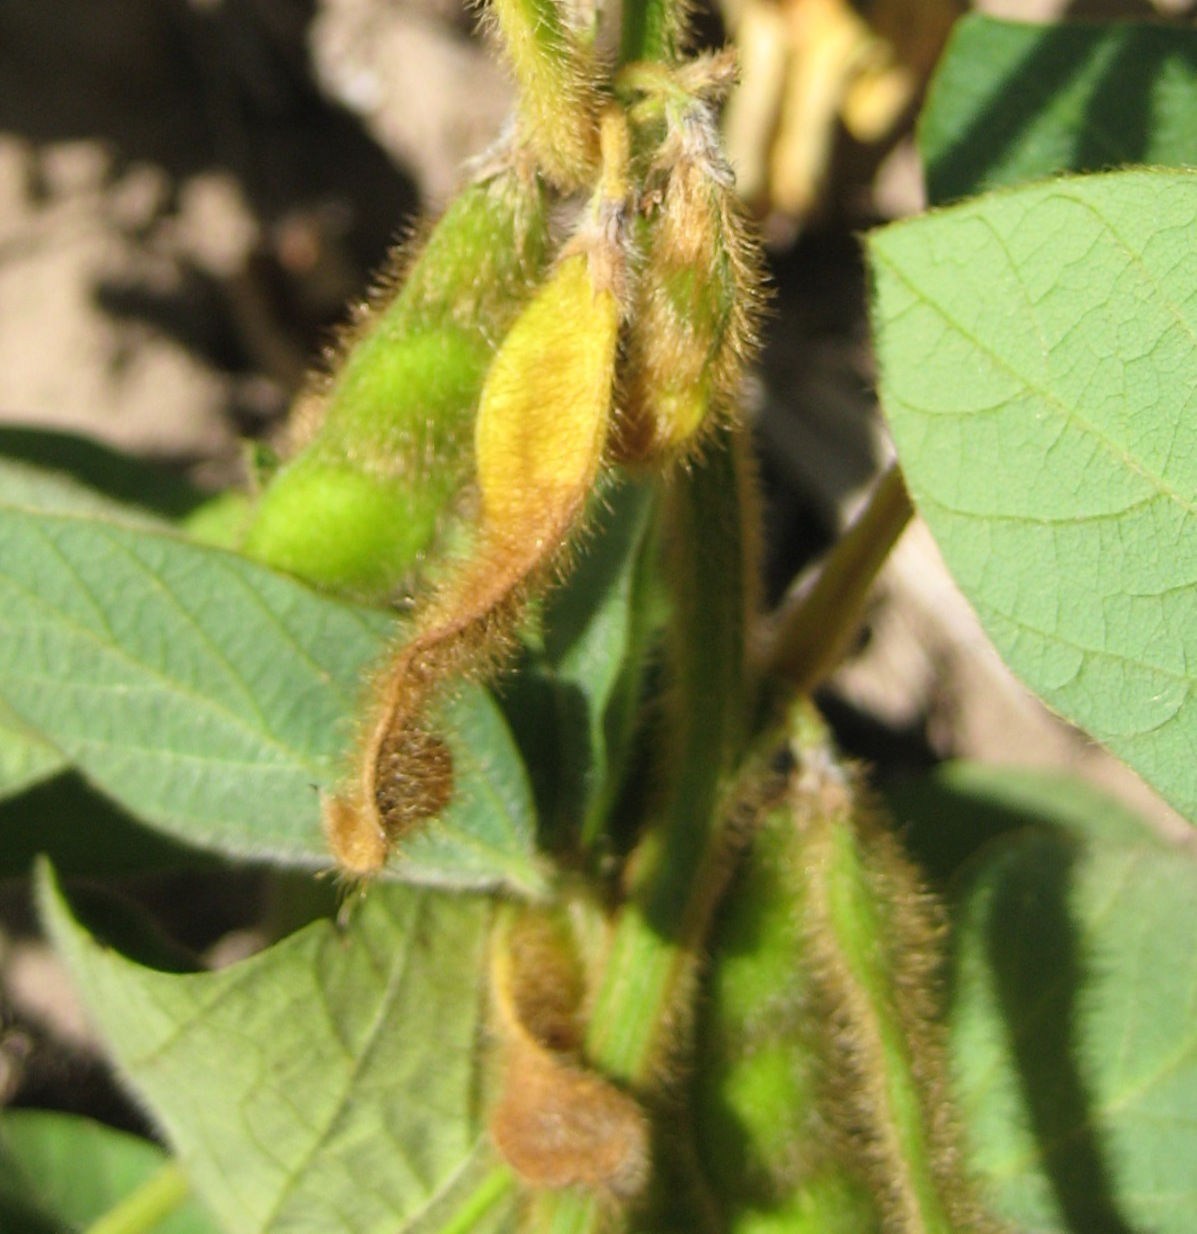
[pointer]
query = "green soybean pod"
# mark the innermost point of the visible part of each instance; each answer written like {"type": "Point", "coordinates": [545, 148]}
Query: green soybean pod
{"type": "Point", "coordinates": [822, 1077]}
{"type": "Point", "coordinates": [759, 1069]}
{"type": "Point", "coordinates": [365, 495]}
{"type": "Point", "coordinates": [557, 74]}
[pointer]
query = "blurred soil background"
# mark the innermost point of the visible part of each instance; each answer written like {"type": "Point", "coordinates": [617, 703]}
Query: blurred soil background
{"type": "Point", "coordinates": [192, 191]}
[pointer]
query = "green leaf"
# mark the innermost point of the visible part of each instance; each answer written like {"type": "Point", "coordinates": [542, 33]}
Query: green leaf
{"type": "Point", "coordinates": [1039, 373]}
{"type": "Point", "coordinates": [1012, 102]}
{"type": "Point", "coordinates": [332, 1082]}
{"type": "Point", "coordinates": [579, 694]}
{"type": "Point", "coordinates": [49, 471]}
{"type": "Point", "coordinates": [86, 479]}
{"type": "Point", "coordinates": [213, 699]}
{"type": "Point", "coordinates": [60, 1172]}
{"type": "Point", "coordinates": [25, 758]}
{"type": "Point", "coordinates": [1074, 1034]}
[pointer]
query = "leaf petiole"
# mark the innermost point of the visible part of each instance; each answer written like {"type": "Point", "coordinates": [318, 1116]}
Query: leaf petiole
{"type": "Point", "coordinates": [147, 1205]}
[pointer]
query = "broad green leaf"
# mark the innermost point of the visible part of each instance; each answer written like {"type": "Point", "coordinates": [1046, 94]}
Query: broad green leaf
{"type": "Point", "coordinates": [60, 1172]}
{"type": "Point", "coordinates": [25, 758]}
{"type": "Point", "coordinates": [332, 1082]}
{"type": "Point", "coordinates": [213, 699]}
{"type": "Point", "coordinates": [28, 487]}
{"type": "Point", "coordinates": [38, 471]}
{"type": "Point", "coordinates": [1012, 102]}
{"type": "Point", "coordinates": [1039, 372]}
{"type": "Point", "coordinates": [1074, 1034]}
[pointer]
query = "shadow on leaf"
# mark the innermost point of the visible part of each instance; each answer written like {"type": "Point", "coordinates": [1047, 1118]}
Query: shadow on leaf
{"type": "Point", "coordinates": [1039, 969]}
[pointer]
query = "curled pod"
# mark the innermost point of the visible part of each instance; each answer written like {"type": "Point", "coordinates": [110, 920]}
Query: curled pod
{"type": "Point", "coordinates": [542, 421]}
{"type": "Point", "coordinates": [556, 1122]}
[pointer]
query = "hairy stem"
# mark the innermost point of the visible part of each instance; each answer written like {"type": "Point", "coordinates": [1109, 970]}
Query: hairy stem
{"type": "Point", "coordinates": [653, 30]}
{"type": "Point", "coordinates": [678, 871]}
{"type": "Point", "coordinates": [565, 1212]}
{"type": "Point", "coordinates": [641, 1008]}
{"type": "Point", "coordinates": [497, 1186]}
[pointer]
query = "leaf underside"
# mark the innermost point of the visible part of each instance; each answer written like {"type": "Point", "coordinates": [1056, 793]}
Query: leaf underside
{"type": "Point", "coordinates": [332, 1082]}
{"type": "Point", "coordinates": [1039, 372]}
{"type": "Point", "coordinates": [214, 699]}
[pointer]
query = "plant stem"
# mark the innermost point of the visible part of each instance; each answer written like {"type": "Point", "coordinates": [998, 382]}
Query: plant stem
{"type": "Point", "coordinates": [641, 1009]}
{"type": "Point", "coordinates": [679, 869]}
{"type": "Point", "coordinates": [565, 1212]}
{"type": "Point", "coordinates": [816, 628]}
{"type": "Point", "coordinates": [144, 1207]}
{"type": "Point", "coordinates": [651, 30]}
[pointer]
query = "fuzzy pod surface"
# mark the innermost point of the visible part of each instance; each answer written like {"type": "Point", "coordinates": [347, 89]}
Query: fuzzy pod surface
{"type": "Point", "coordinates": [694, 318]}
{"type": "Point", "coordinates": [542, 420]}
{"type": "Point", "coordinates": [368, 491]}
{"type": "Point", "coordinates": [760, 1063]}
{"type": "Point", "coordinates": [823, 983]}
{"type": "Point", "coordinates": [555, 69]}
